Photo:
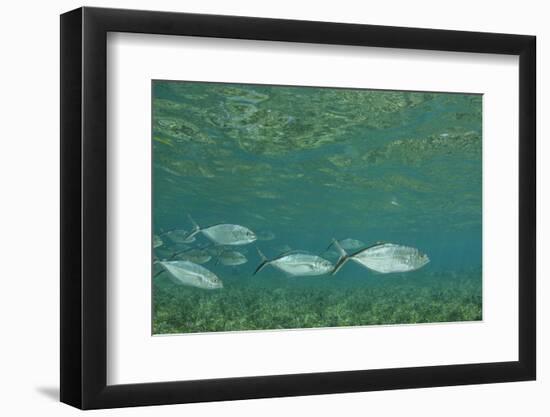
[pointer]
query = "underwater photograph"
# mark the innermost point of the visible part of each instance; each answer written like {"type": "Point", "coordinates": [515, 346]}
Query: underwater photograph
{"type": "Point", "coordinates": [297, 207]}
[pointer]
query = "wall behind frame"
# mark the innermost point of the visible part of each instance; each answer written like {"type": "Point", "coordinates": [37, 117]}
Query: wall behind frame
{"type": "Point", "coordinates": [29, 172]}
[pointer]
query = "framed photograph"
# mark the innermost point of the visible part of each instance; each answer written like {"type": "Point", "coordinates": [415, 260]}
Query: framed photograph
{"type": "Point", "coordinates": [258, 208]}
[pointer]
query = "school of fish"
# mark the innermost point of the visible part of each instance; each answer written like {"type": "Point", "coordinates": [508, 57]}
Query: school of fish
{"type": "Point", "coordinates": [183, 263]}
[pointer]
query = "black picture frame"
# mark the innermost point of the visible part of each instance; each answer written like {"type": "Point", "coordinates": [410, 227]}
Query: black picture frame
{"type": "Point", "coordinates": [84, 207]}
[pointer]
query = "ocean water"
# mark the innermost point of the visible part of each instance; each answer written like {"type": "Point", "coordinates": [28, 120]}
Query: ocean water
{"type": "Point", "coordinates": [301, 166]}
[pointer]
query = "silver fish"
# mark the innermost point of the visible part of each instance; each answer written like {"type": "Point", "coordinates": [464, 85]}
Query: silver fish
{"type": "Point", "coordinates": [384, 258]}
{"type": "Point", "coordinates": [297, 264]}
{"type": "Point", "coordinates": [189, 273]}
{"type": "Point", "coordinates": [197, 256]}
{"type": "Point", "coordinates": [232, 258]}
{"type": "Point", "coordinates": [350, 244]}
{"type": "Point", "coordinates": [225, 234]}
{"type": "Point", "coordinates": [157, 241]}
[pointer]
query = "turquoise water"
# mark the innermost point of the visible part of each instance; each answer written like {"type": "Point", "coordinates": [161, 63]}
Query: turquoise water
{"type": "Point", "coordinates": [305, 165]}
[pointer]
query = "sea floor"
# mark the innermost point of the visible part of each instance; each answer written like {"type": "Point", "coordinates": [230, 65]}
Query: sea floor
{"type": "Point", "coordinates": [274, 302]}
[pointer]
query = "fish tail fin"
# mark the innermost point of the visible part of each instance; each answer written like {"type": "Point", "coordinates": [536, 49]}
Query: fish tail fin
{"type": "Point", "coordinates": [344, 257]}
{"type": "Point", "coordinates": [196, 227]}
{"type": "Point", "coordinates": [261, 266]}
{"type": "Point", "coordinates": [159, 271]}
{"type": "Point", "coordinates": [341, 262]}
{"type": "Point", "coordinates": [264, 262]}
